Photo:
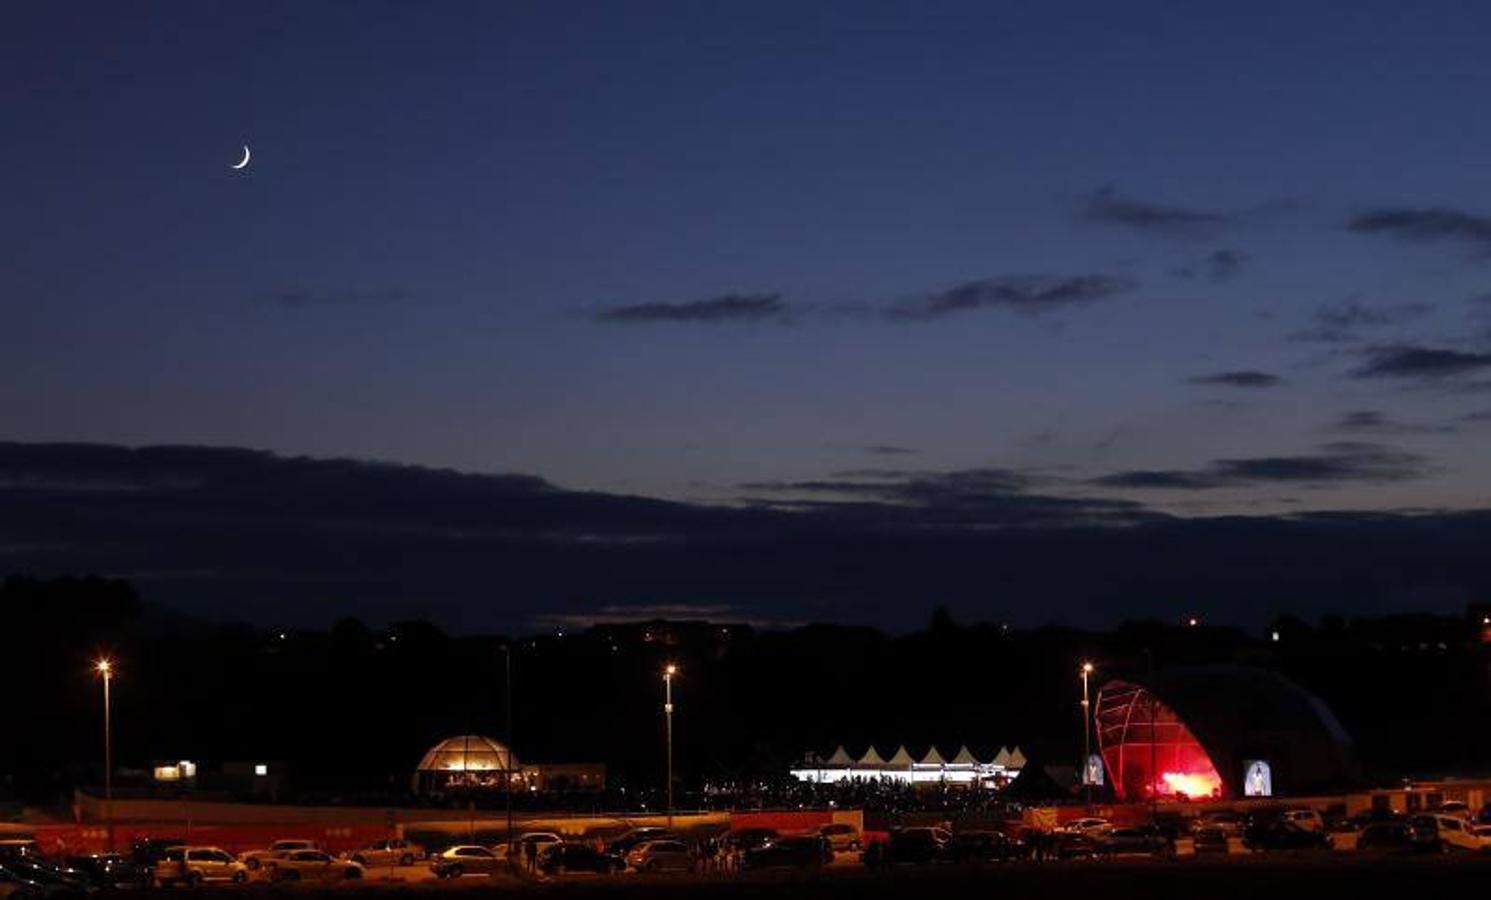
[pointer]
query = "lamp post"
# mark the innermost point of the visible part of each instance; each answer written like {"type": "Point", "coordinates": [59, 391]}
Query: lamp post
{"type": "Point", "coordinates": [507, 684]}
{"type": "Point", "coordinates": [105, 667]}
{"type": "Point", "coordinates": [668, 674]}
{"type": "Point", "coordinates": [1086, 736]}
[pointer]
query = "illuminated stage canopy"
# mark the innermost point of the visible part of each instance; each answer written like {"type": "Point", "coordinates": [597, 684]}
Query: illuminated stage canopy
{"type": "Point", "coordinates": [1203, 731]}
{"type": "Point", "coordinates": [1148, 750]}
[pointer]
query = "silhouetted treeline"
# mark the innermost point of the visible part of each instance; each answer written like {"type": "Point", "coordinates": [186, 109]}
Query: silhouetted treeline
{"type": "Point", "coordinates": [353, 709]}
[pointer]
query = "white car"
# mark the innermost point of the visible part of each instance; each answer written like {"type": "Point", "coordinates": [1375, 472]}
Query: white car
{"type": "Point", "coordinates": [310, 865]}
{"type": "Point", "coordinates": [387, 853]}
{"type": "Point", "coordinates": [1092, 826]}
{"type": "Point", "coordinates": [1307, 819]}
{"type": "Point", "coordinates": [1446, 832]}
{"type": "Point", "coordinates": [464, 859]}
{"type": "Point", "coordinates": [199, 865]}
{"type": "Point", "coordinates": [842, 836]}
{"type": "Point", "coordinates": [661, 856]}
{"type": "Point", "coordinates": [255, 858]}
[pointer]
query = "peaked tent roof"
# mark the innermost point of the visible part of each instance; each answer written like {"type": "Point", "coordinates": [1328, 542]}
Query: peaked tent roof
{"type": "Point", "coordinates": [965, 757]}
{"type": "Point", "coordinates": [871, 758]}
{"type": "Point", "coordinates": [901, 758]}
{"type": "Point", "coordinates": [933, 758]}
{"type": "Point", "coordinates": [1016, 760]}
{"type": "Point", "coordinates": [1002, 758]}
{"type": "Point", "coordinates": [840, 757]}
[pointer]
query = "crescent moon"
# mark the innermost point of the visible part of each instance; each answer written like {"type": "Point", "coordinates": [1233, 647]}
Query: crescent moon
{"type": "Point", "coordinates": [245, 160]}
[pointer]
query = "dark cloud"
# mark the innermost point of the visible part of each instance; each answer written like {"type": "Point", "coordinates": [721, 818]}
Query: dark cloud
{"type": "Point", "coordinates": [239, 534]}
{"type": "Point", "coordinates": [726, 308]}
{"type": "Point", "coordinates": [1245, 378]}
{"type": "Point", "coordinates": [1425, 225]}
{"type": "Point", "coordinates": [890, 450]}
{"type": "Point", "coordinates": [982, 498]}
{"type": "Point", "coordinates": [1105, 206]}
{"type": "Point", "coordinates": [1477, 417]}
{"type": "Point", "coordinates": [1370, 421]}
{"type": "Point", "coordinates": [1426, 363]}
{"type": "Point", "coordinates": [1338, 323]}
{"type": "Point", "coordinates": [303, 298]}
{"type": "Point", "coordinates": [1219, 265]}
{"type": "Point", "coordinates": [1341, 463]}
{"type": "Point", "coordinates": [1025, 294]}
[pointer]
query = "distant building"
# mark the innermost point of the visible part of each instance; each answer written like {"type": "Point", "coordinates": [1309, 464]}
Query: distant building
{"type": "Point", "coordinates": [931, 768]}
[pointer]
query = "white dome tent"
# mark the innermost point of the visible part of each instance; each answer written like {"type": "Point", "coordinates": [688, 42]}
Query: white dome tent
{"type": "Point", "coordinates": [467, 761]}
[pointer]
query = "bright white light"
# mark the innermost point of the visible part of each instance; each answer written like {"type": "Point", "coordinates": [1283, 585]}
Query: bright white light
{"type": "Point", "coordinates": [261, 769]}
{"type": "Point", "coordinates": [1275, 637]}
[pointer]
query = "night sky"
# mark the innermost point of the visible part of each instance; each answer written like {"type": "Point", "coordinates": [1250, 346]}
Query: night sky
{"type": "Point", "coordinates": [959, 268]}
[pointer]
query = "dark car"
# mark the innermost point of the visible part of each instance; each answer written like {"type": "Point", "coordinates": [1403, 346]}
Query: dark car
{"type": "Point", "coordinates": [56, 881]}
{"type": "Point", "coordinates": [1209, 839]}
{"type": "Point", "coordinates": [109, 870]}
{"type": "Point", "coordinates": [148, 852]}
{"type": "Point", "coordinates": [1142, 839]}
{"type": "Point", "coordinates": [572, 856]}
{"type": "Point", "coordinates": [1073, 845]}
{"type": "Point", "coordinates": [1380, 836]}
{"type": "Point", "coordinates": [799, 852]}
{"type": "Point", "coordinates": [628, 841]}
{"type": "Point", "coordinates": [14, 887]}
{"type": "Point", "coordinates": [918, 845]}
{"type": "Point", "coordinates": [751, 838]}
{"type": "Point", "coordinates": [1280, 834]}
{"type": "Point", "coordinates": [978, 847]}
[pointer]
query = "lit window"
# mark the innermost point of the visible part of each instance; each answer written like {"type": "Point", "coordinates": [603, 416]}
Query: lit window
{"type": "Point", "coordinates": [261, 769]}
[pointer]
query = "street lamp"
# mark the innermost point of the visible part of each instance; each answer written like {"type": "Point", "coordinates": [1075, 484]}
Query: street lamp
{"type": "Point", "coordinates": [105, 667]}
{"type": "Point", "coordinates": [1087, 668]}
{"type": "Point", "coordinates": [668, 674]}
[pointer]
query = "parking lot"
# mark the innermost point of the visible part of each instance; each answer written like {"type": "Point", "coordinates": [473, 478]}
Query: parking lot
{"type": "Point", "coordinates": [1276, 876]}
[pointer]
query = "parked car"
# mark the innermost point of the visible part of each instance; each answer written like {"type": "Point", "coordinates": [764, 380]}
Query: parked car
{"type": "Point", "coordinates": [978, 847]}
{"type": "Point", "coordinates": [464, 859]}
{"type": "Point", "coordinates": [1443, 832]}
{"type": "Point", "coordinates": [199, 865]}
{"type": "Point", "coordinates": [567, 857]}
{"type": "Point", "coordinates": [748, 839]}
{"type": "Point", "coordinates": [1209, 839]}
{"type": "Point", "coordinates": [146, 852]}
{"type": "Point", "coordinates": [311, 865]}
{"type": "Point", "coordinates": [1277, 833]}
{"type": "Point", "coordinates": [53, 881]}
{"type": "Point", "coordinates": [1308, 819]}
{"type": "Point", "coordinates": [619, 847]}
{"type": "Point", "coordinates": [1067, 844]}
{"type": "Point", "coordinates": [1092, 826]}
{"type": "Point", "coordinates": [1230, 822]}
{"type": "Point", "coordinates": [109, 870]}
{"type": "Point", "coordinates": [1385, 836]}
{"type": "Point", "coordinates": [1148, 840]}
{"type": "Point", "coordinates": [842, 836]}
{"type": "Point", "coordinates": [396, 851]}
{"type": "Point", "coordinates": [14, 887]}
{"type": "Point", "coordinates": [661, 856]}
{"type": "Point", "coordinates": [809, 851]}
{"type": "Point", "coordinates": [255, 858]}
{"type": "Point", "coordinates": [1457, 808]}
{"type": "Point", "coordinates": [922, 845]}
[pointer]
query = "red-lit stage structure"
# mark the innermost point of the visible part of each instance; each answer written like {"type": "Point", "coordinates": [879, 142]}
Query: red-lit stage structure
{"type": "Point", "coordinates": [1218, 731]}
{"type": "Point", "coordinates": [1147, 750]}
